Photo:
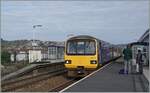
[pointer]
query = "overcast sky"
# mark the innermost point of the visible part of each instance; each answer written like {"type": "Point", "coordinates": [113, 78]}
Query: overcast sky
{"type": "Point", "coordinates": [113, 21]}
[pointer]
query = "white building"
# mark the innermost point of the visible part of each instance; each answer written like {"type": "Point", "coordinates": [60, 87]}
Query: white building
{"type": "Point", "coordinates": [44, 55]}
{"type": "Point", "coordinates": [12, 57]}
{"type": "Point", "coordinates": [22, 56]}
{"type": "Point", "coordinates": [35, 56]}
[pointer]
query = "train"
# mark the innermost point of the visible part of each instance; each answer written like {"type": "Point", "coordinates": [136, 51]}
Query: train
{"type": "Point", "coordinates": [84, 54]}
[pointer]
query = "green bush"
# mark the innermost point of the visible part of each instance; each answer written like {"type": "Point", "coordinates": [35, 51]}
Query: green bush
{"type": "Point", "coordinates": [5, 57]}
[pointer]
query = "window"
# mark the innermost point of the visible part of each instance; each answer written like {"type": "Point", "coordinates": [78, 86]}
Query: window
{"type": "Point", "coordinates": [81, 47]}
{"type": "Point", "coordinates": [71, 48]}
{"type": "Point", "coordinates": [89, 47]}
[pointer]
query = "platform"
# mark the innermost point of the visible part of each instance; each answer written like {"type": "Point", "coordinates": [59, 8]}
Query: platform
{"type": "Point", "coordinates": [29, 68]}
{"type": "Point", "coordinates": [146, 72]}
{"type": "Point", "coordinates": [107, 79]}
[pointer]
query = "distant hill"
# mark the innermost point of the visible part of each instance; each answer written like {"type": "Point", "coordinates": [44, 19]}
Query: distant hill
{"type": "Point", "coordinates": [121, 45]}
{"type": "Point", "coordinates": [25, 44]}
{"type": "Point", "coordinates": [5, 44]}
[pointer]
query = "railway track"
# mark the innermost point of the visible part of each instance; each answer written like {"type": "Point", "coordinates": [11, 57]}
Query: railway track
{"type": "Point", "coordinates": [69, 82]}
{"type": "Point", "coordinates": [63, 85]}
{"type": "Point", "coordinates": [52, 81]}
{"type": "Point", "coordinates": [25, 81]}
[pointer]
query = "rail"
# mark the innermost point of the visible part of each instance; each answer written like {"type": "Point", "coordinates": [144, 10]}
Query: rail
{"type": "Point", "coordinates": [21, 82]}
{"type": "Point", "coordinates": [63, 85]}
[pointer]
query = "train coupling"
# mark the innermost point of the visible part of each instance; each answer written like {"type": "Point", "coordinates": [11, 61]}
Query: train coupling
{"type": "Point", "coordinates": [80, 70]}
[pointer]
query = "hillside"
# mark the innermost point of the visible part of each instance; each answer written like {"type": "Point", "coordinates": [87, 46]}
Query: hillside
{"type": "Point", "coordinates": [5, 45]}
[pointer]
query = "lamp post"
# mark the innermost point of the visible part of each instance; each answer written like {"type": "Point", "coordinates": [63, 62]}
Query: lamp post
{"type": "Point", "coordinates": [33, 55]}
{"type": "Point", "coordinates": [34, 27]}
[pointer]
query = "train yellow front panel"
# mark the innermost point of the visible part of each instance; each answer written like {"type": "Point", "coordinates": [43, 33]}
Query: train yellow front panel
{"type": "Point", "coordinates": [81, 61]}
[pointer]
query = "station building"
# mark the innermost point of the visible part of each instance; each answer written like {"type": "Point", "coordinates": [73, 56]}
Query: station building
{"type": "Point", "coordinates": [143, 45]}
{"type": "Point", "coordinates": [55, 52]}
{"type": "Point", "coordinates": [145, 37]}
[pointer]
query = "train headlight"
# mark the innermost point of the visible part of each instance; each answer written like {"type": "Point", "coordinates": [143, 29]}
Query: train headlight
{"type": "Point", "coordinates": [68, 62]}
{"type": "Point", "coordinates": [93, 62]}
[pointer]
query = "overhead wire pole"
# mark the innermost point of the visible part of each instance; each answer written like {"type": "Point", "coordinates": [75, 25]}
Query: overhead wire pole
{"type": "Point", "coordinates": [34, 26]}
{"type": "Point", "coordinates": [33, 42]}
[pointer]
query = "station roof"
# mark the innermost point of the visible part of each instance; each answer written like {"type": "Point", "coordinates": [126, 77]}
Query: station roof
{"type": "Point", "coordinates": [139, 43]}
{"type": "Point", "coordinates": [56, 46]}
{"type": "Point", "coordinates": [144, 36]}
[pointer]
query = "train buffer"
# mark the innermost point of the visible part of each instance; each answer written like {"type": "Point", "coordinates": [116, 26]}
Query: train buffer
{"type": "Point", "coordinates": [108, 79]}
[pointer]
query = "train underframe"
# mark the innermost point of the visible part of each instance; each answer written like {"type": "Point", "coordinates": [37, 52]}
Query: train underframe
{"type": "Point", "coordinates": [79, 72]}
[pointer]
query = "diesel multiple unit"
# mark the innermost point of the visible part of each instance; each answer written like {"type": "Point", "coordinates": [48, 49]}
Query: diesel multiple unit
{"type": "Point", "coordinates": [84, 54]}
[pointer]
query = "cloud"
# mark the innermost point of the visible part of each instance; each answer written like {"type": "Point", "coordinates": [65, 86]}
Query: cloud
{"type": "Point", "coordinates": [103, 19]}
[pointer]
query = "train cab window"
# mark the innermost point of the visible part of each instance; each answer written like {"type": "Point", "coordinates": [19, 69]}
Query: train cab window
{"type": "Point", "coordinates": [90, 48]}
{"type": "Point", "coordinates": [84, 47]}
{"type": "Point", "coordinates": [71, 47]}
{"type": "Point", "coordinates": [80, 47]}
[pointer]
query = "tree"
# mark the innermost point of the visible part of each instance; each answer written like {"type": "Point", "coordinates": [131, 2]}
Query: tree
{"type": "Point", "coordinates": [5, 57]}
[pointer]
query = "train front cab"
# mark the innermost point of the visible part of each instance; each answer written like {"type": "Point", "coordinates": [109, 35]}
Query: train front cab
{"type": "Point", "coordinates": [81, 64]}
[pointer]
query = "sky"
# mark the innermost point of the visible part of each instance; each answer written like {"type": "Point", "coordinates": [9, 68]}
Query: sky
{"type": "Point", "coordinates": [117, 22]}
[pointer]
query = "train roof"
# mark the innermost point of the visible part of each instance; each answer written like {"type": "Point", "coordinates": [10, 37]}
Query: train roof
{"type": "Point", "coordinates": [82, 37]}
{"type": "Point", "coordinates": [104, 43]}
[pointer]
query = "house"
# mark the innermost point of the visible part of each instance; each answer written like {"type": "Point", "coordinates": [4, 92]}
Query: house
{"type": "Point", "coordinates": [12, 57]}
{"type": "Point", "coordinates": [18, 55]}
{"type": "Point", "coordinates": [22, 56]}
